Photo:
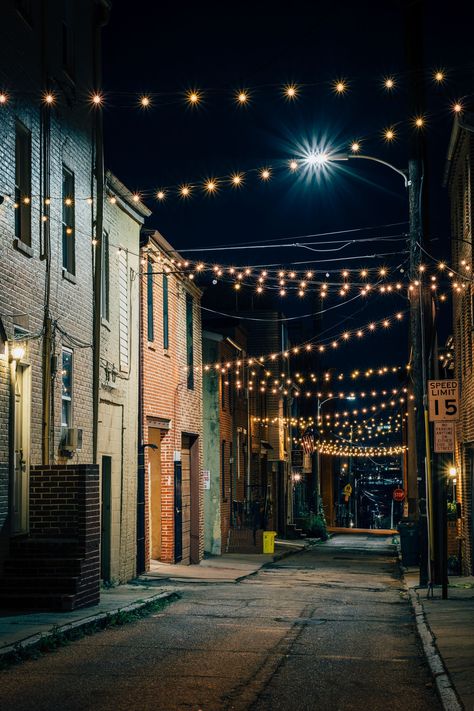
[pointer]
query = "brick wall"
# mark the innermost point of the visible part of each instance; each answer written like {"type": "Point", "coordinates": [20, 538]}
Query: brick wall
{"type": "Point", "coordinates": [165, 394]}
{"type": "Point", "coordinates": [65, 504]}
{"type": "Point", "coordinates": [460, 188]}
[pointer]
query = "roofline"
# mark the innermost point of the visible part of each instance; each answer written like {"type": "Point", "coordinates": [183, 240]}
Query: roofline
{"type": "Point", "coordinates": [161, 243]}
{"type": "Point", "coordinates": [458, 126]}
{"type": "Point", "coordinates": [115, 186]}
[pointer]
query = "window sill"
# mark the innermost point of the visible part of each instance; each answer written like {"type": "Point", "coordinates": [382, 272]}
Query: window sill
{"type": "Point", "coordinates": [166, 353]}
{"type": "Point", "coordinates": [23, 247]}
{"type": "Point", "coordinates": [69, 277]}
{"type": "Point", "coordinates": [105, 323]}
{"type": "Point", "coordinates": [151, 347]}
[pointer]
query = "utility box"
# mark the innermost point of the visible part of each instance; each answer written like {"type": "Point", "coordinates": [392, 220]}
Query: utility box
{"type": "Point", "coordinates": [409, 543]}
{"type": "Point", "coordinates": [269, 541]}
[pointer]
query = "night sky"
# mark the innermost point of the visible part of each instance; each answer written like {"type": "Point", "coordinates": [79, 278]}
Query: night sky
{"type": "Point", "coordinates": [222, 48]}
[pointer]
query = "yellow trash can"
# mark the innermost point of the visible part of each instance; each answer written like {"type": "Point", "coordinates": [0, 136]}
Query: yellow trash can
{"type": "Point", "coordinates": [269, 541]}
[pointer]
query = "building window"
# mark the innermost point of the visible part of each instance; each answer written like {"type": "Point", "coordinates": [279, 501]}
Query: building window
{"type": "Point", "coordinates": [66, 388]}
{"type": "Point", "coordinates": [69, 238]}
{"type": "Point", "coordinates": [166, 332]}
{"type": "Point", "coordinates": [189, 340]}
{"type": "Point", "coordinates": [105, 278]}
{"type": "Point", "coordinates": [223, 468]}
{"type": "Point", "coordinates": [149, 302]}
{"type": "Point", "coordinates": [23, 183]}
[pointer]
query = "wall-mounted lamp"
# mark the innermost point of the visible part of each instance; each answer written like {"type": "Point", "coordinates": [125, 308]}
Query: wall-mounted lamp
{"type": "Point", "coordinates": [452, 472]}
{"type": "Point", "coordinates": [17, 352]}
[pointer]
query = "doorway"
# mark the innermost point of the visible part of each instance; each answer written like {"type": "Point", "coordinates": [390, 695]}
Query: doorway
{"type": "Point", "coordinates": [106, 518]}
{"type": "Point", "coordinates": [190, 491]}
{"type": "Point", "coordinates": [21, 450]}
{"type": "Point", "coordinates": [154, 465]}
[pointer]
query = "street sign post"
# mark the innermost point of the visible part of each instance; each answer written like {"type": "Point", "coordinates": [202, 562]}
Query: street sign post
{"type": "Point", "coordinates": [443, 437]}
{"type": "Point", "coordinates": [443, 400]}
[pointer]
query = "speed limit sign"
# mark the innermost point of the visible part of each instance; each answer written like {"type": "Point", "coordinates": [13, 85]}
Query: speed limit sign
{"type": "Point", "coordinates": [443, 400]}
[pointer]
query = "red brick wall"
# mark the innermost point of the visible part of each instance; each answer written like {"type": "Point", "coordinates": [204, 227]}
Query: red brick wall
{"type": "Point", "coordinates": [164, 388]}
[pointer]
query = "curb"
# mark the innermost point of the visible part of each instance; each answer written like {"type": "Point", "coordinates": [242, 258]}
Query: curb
{"type": "Point", "coordinates": [14, 651]}
{"type": "Point", "coordinates": [444, 686]}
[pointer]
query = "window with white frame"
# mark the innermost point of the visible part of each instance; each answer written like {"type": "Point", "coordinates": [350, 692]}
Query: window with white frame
{"type": "Point", "coordinates": [66, 387]}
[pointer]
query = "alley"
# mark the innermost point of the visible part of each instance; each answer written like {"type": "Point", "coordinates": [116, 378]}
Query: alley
{"type": "Point", "coordinates": [328, 628]}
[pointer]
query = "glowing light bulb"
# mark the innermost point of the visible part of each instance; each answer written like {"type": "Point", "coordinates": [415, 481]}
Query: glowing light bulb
{"type": "Point", "coordinates": [293, 165]}
{"type": "Point", "coordinates": [136, 197]}
{"type": "Point", "coordinates": [265, 174]}
{"type": "Point", "coordinates": [291, 91]}
{"type": "Point", "coordinates": [389, 83]}
{"type": "Point", "coordinates": [160, 195]}
{"type": "Point", "coordinates": [242, 97]}
{"type": "Point", "coordinates": [355, 147]}
{"type": "Point", "coordinates": [419, 121]}
{"type": "Point", "coordinates": [237, 179]}
{"type": "Point", "coordinates": [3, 98]}
{"type": "Point", "coordinates": [340, 86]}
{"type": "Point", "coordinates": [439, 76]}
{"type": "Point", "coordinates": [48, 98]}
{"type": "Point", "coordinates": [210, 186]}
{"type": "Point", "coordinates": [113, 200]}
{"type": "Point", "coordinates": [97, 99]}
{"type": "Point", "coordinates": [185, 191]}
{"type": "Point", "coordinates": [68, 201]}
{"type": "Point", "coordinates": [457, 107]}
{"type": "Point", "coordinates": [89, 201]}
{"type": "Point", "coordinates": [389, 134]}
{"type": "Point", "coordinates": [193, 97]}
{"type": "Point", "coordinates": [145, 101]}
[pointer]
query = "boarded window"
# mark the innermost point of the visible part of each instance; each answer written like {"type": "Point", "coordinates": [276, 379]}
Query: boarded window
{"type": "Point", "coordinates": [124, 307]}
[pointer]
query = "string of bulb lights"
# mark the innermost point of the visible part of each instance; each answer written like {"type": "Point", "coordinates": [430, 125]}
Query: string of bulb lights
{"type": "Point", "coordinates": [241, 96]}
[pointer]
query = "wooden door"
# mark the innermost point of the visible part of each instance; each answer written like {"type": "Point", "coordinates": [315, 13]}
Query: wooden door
{"type": "Point", "coordinates": [21, 452]}
{"type": "Point", "coordinates": [154, 463]}
{"type": "Point", "coordinates": [186, 497]}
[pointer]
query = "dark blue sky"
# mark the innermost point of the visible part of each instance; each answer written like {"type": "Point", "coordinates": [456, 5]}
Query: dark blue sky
{"type": "Point", "coordinates": [219, 48]}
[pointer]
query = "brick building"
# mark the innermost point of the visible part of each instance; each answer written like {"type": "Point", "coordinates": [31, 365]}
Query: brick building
{"type": "Point", "coordinates": [170, 494]}
{"type": "Point", "coordinates": [50, 188]}
{"type": "Point", "coordinates": [118, 403]}
{"type": "Point", "coordinates": [460, 169]}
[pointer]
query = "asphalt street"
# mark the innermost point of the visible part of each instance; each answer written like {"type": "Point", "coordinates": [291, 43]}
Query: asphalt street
{"type": "Point", "coordinates": [329, 628]}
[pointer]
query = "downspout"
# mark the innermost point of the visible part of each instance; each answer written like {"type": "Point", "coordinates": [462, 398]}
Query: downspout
{"type": "Point", "coordinates": [101, 20]}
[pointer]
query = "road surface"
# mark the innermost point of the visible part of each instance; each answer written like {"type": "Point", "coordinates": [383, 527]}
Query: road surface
{"type": "Point", "coordinates": [329, 628]}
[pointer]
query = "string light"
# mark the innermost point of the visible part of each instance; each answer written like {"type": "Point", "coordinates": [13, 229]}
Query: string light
{"type": "Point", "coordinates": [242, 97]}
{"type": "Point", "coordinates": [145, 102]}
{"type": "Point", "coordinates": [419, 121]}
{"type": "Point", "coordinates": [389, 134]}
{"type": "Point", "coordinates": [97, 99]}
{"type": "Point", "coordinates": [265, 174]}
{"type": "Point", "coordinates": [439, 76]}
{"type": "Point", "coordinates": [193, 97]}
{"type": "Point", "coordinates": [340, 86]}
{"type": "Point", "coordinates": [48, 98]}
{"type": "Point", "coordinates": [210, 186]}
{"type": "Point", "coordinates": [3, 98]}
{"type": "Point", "coordinates": [160, 195]}
{"type": "Point", "coordinates": [293, 165]}
{"type": "Point", "coordinates": [290, 91]}
{"type": "Point", "coordinates": [389, 83]}
{"type": "Point", "coordinates": [457, 107]}
{"type": "Point", "coordinates": [355, 146]}
{"type": "Point", "coordinates": [185, 191]}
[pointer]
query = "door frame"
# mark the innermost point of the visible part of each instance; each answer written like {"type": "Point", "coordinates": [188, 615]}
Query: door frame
{"type": "Point", "coordinates": [15, 368]}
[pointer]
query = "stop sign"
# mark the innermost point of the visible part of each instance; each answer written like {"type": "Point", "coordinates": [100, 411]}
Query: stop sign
{"type": "Point", "coordinates": [398, 494]}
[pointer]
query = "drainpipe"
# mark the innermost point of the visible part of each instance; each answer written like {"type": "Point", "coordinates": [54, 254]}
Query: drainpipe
{"type": "Point", "coordinates": [102, 17]}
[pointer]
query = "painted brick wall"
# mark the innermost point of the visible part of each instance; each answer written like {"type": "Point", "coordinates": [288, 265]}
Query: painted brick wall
{"type": "Point", "coordinates": [164, 391]}
{"type": "Point", "coordinates": [23, 275]}
{"type": "Point", "coordinates": [460, 189]}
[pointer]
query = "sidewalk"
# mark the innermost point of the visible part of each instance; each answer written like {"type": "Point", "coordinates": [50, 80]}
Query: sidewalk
{"type": "Point", "coordinates": [450, 631]}
{"type": "Point", "coordinates": [225, 568]}
{"type": "Point", "coordinates": [27, 630]}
